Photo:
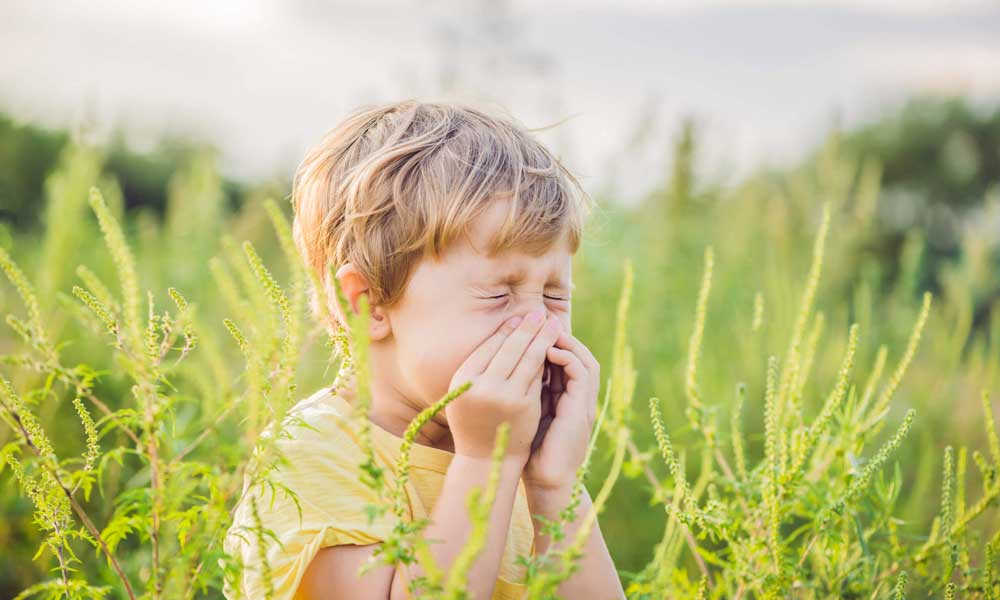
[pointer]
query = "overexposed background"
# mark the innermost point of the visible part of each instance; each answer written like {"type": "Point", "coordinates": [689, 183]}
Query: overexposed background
{"type": "Point", "coordinates": [263, 79]}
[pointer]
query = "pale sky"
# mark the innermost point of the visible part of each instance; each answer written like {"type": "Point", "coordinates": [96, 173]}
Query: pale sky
{"type": "Point", "coordinates": [263, 79]}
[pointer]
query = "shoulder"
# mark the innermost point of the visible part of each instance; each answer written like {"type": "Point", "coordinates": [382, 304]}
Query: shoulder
{"type": "Point", "coordinates": [312, 498]}
{"type": "Point", "coordinates": [318, 430]}
{"type": "Point", "coordinates": [319, 416]}
{"type": "Point", "coordinates": [318, 451]}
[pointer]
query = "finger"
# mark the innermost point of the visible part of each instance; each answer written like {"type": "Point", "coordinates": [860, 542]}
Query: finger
{"type": "Point", "coordinates": [576, 372]}
{"type": "Point", "coordinates": [504, 360]}
{"type": "Point", "coordinates": [568, 341]}
{"type": "Point", "coordinates": [533, 359]}
{"type": "Point", "coordinates": [572, 367]}
{"type": "Point", "coordinates": [571, 343]}
{"type": "Point", "coordinates": [480, 358]}
{"type": "Point", "coordinates": [595, 378]}
{"type": "Point", "coordinates": [534, 392]}
{"type": "Point", "coordinates": [540, 378]}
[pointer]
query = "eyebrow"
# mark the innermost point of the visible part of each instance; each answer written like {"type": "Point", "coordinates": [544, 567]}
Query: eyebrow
{"type": "Point", "coordinates": [517, 276]}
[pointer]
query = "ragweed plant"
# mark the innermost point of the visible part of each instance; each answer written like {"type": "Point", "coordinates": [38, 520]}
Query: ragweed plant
{"type": "Point", "coordinates": [163, 537]}
{"type": "Point", "coordinates": [805, 521]}
{"type": "Point", "coordinates": [817, 445]}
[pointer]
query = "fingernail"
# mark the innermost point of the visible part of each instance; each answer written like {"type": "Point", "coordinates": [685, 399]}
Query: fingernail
{"type": "Point", "coordinates": [514, 322]}
{"type": "Point", "coordinates": [554, 326]}
{"type": "Point", "coordinates": [536, 317]}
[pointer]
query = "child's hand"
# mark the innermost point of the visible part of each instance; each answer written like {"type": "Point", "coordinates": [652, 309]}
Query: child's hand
{"type": "Point", "coordinates": [506, 374]}
{"type": "Point", "coordinates": [569, 407]}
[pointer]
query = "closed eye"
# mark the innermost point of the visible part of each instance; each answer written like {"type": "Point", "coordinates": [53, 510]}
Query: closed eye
{"type": "Point", "coordinates": [549, 297]}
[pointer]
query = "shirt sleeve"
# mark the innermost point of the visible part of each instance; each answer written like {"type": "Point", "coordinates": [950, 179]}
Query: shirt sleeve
{"type": "Point", "coordinates": [509, 590]}
{"type": "Point", "coordinates": [321, 467]}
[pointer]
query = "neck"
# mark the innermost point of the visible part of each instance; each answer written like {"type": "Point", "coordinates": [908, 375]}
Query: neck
{"type": "Point", "coordinates": [393, 411]}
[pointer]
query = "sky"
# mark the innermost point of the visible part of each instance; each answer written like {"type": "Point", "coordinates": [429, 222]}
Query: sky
{"type": "Point", "coordinates": [609, 80]}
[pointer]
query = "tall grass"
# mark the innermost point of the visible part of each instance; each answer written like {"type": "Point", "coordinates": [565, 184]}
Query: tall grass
{"type": "Point", "coordinates": [778, 422]}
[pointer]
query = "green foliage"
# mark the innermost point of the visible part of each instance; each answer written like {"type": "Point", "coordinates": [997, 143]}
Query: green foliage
{"type": "Point", "coordinates": [137, 405]}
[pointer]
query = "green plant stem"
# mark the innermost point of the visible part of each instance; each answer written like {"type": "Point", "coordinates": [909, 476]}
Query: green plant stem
{"type": "Point", "coordinates": [84, 518]}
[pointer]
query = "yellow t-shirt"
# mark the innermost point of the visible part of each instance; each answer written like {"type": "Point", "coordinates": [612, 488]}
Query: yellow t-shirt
{"type": "Point", "coordinates": [323, 470]}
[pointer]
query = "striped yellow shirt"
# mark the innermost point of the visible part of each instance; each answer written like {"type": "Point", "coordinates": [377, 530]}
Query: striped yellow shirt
{"type": "Point", "coordinates": [323, 471]}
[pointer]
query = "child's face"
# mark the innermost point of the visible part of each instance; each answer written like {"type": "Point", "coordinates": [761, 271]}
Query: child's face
{"type": "Point", "coordinates": [452, 305]}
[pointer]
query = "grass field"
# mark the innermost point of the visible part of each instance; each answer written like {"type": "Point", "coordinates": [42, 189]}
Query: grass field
{"type": "Point", "coordinates": [822, 423]}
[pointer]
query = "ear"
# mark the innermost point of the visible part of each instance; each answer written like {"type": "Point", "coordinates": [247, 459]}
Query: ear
{"type": "Point", "coordinates": [353, 284]}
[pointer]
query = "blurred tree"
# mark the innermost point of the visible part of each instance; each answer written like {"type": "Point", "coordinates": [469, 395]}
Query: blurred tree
{"type": "Point", "coordinates": [942, 153]}
{"type": "Point", "coordinates": [940, 172]}
{"type": "Point", "coordinates": [28, 153]}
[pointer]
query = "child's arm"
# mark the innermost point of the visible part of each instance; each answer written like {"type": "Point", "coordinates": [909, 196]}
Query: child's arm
{"type": "Point", "coordinates": [333, 572]}
{"type": "Point", "coordinates": [451, 524]}
{"type": "Point", "coordinates": [596, 577]}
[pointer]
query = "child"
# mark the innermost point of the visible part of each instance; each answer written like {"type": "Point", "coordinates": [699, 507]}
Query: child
{"type": "Point", "coordinates": [460, 228]}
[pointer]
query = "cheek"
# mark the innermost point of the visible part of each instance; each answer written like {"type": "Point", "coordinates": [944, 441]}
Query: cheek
{"type": "Point", "coordinates": [441, 348]}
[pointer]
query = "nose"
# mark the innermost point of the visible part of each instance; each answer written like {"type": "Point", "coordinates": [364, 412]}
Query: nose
{"type": "Point", "coordinates": [526, 305]}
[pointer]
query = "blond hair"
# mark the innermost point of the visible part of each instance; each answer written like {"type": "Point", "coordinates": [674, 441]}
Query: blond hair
{"type": "Point", "coordinates": [393, 183]}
